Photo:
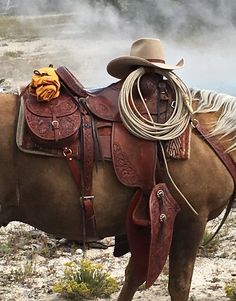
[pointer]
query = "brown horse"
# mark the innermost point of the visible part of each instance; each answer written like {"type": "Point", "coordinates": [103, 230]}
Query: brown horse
{"type": "Point", "coordinates": [39, 191]}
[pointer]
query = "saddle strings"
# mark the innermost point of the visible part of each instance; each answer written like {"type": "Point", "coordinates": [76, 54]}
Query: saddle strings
{"type": "Point", "coordinates": [147, 128]}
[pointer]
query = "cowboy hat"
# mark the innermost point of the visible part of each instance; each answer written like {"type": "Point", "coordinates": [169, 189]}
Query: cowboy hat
{"type": "Point", "coordinates": [144, 52]}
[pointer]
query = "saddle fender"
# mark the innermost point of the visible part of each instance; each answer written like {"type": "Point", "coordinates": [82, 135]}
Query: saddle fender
{"type": "Point", "coordinates": [150, 229]}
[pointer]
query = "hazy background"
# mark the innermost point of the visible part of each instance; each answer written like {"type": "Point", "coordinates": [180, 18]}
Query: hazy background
{"type": "Point", "coordinates": [86, 35]}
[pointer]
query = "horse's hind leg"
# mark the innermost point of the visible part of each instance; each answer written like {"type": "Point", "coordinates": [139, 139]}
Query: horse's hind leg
{"type": "Point", "coordinates": [131, 284]}
{"type": "Point", "coordinates": [186, 239]}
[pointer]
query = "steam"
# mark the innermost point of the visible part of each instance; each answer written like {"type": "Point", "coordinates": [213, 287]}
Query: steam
{"type": "Point", "coordinates": [86, 35]}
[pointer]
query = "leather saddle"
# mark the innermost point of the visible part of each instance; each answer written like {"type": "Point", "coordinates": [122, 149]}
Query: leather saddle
{"type": "Point", "coordinates": [91, 123]}
{"type": "Point", "coordinates": [57, 124]}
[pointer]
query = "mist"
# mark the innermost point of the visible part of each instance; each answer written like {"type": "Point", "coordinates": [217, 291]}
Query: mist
{"type": "Point", "coordinates": [86, 35]}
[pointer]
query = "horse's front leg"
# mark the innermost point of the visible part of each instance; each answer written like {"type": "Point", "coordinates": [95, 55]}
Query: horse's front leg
{"type": "Point", "coordinates": [131, 283]}
{"type": "Point", "coordinates": [186, 239]}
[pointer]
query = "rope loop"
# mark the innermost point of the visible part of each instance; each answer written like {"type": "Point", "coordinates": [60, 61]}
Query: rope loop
{"type": "Point", "coordinates": [147, 128]}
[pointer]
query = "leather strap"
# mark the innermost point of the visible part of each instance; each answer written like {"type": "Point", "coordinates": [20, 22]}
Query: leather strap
{"type": "Point", "coordinates": [88, 154]}
{"type": "Point", "coordinates": [88, 162]}
{"type": "Point", "coordinates": [85, 182]}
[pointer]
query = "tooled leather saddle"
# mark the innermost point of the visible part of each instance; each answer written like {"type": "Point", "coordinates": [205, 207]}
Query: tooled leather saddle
{"type": "Point", "coordinates": [87, 126]}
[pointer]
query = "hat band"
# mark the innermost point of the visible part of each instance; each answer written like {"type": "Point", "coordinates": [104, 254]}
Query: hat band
{"type": "Point", "coordinates": [156, 61]}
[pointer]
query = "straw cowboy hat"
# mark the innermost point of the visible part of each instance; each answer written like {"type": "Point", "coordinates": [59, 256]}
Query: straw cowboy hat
{"type": "Point", "coordinates": [144, 52]}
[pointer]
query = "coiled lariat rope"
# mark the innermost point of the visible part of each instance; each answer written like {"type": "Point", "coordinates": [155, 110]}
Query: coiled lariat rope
{"type": "Point", "coordinates": [147, 128]}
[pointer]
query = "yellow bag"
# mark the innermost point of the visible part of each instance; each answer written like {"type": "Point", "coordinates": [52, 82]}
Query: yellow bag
{"type": "Point", "coordinates": [45, 84]}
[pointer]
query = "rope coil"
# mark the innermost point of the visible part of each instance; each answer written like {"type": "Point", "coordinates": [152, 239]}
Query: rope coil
{"type": "Point", "coordinates": [147, 128]}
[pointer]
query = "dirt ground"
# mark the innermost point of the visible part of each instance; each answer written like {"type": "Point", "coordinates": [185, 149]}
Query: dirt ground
{"type": "Point", "coordinates": [23, 48]}
{"type": "Point", "coordinates": [31, 262]}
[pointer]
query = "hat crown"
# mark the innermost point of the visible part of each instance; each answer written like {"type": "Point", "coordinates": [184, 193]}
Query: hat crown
{"type": "Point", "coordinates": [149, 49]}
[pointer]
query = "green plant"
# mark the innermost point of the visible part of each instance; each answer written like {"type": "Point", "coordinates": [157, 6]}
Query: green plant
{"type": "Point", "coordinates": [230, 290]}
{"type": "Point", "coordinates": [210, 247]}
{"type": "Point", "coordinates": [4, 248]}
{"type": "Point", "coordinates": [12, 241]}
{"type": "Point", "coordinates": [24, 272]}
{"type": "Point", "coordinates": [142, 287]}
{"type": "Point", "coordinates": [85, 281]}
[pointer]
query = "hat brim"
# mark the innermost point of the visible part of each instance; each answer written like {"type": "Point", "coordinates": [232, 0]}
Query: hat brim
{"type": "Point", "coordinates": [121, 66]}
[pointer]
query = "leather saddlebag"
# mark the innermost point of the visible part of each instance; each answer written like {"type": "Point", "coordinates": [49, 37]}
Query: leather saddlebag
{"type": "Point", "coordinates": [52, 124]}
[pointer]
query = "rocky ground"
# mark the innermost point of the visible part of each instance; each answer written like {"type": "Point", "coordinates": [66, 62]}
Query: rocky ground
{"type": "Point", "coordinates": [31, 262]}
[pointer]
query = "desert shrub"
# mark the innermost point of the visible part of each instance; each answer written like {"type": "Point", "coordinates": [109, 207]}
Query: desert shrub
{"type": "Point", "coordinates": [24, 272]}
{"type": "Point", "coordinates": [85, 281]}
{"type": "Point", "coordinates": [208, 248]}
{"type": "Point", "coordinates": [230, 290]}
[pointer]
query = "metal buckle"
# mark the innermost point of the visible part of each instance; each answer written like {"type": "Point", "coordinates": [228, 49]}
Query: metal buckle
{"type": "Point", "coordinates": [160, 194]}
{"type": "Point", "coordinates": [67, 152]}
{"type": "Point", "coordinates": [55, 124]}
{"type": "Point", "coordinates": [173, 104]}
{"type": "Point", "coordinates": [86, 197]}
{"type": "Point", "coordinates": [86, 125]}
{"type": "Point", "coordinates": [163, 218]}
{"type": "Point", "coordinates": [194, 122]}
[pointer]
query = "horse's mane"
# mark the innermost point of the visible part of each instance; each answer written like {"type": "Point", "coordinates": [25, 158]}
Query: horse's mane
{"type": "Point", "coordinates": [210, 101]}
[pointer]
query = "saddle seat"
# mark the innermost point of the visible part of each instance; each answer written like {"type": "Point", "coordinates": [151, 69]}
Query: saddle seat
{"type": "Point", "coordinates": [104, 104]}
